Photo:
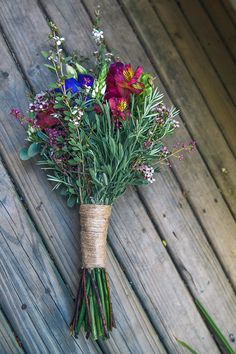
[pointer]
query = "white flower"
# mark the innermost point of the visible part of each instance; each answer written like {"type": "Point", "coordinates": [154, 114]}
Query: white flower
{"type": "Point", "coordinates": [58, 39]}
{"type": "Point", "coordinates": [97, 35]}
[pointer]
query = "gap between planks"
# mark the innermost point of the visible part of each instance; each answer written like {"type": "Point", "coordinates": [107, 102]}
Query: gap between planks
{"type": "Point", "coordinates": [9, 343]}
{"type": "Point", "coordinates": [214, 48]}
{"type": "Point", "coordinates": [189, 49]}
{"type": "Point", "coordinates": [222, 23]}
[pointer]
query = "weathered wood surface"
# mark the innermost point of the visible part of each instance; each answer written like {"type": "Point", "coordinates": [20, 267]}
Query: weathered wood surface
{"type": "Point", "coordinates": [230, 9]}
{"type": "Point", "coordinates": [223, 25]}
{"type": "Point", "coordinates": [8, 342]}
{"type": "Point", "coordinates": [152, 269]}
{"type": "Point", "coordinates": [196, 62]}
{"type": "Point", "coordinates": [204, 31]}
{"type": "Point", "coordinates": [33, 295]}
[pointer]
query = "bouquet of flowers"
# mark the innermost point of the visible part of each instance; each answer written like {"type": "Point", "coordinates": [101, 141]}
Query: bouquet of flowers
{"type": "Point", "coordinates": [97, 131]}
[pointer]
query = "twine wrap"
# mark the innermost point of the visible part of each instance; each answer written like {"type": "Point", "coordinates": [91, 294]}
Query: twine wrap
{"type": "Point", "coordinates": [94, 221]}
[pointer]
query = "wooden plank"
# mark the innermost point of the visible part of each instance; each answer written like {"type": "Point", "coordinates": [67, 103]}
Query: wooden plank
{"type": "Point", "coordinates": [59, 226]}
{"type": "Point", "coordinates": [188, 244]}
{"type": "Point", "coordinates": [219, 57]}
{"type": "Point", "coordinates": [33, 295]}
{"type": "Point", "coordinates": [8, 342]}
{"type": "Point", "coordinates": [154, 277]}
{"type": "Point", "coordinates": [222, 23]}
{"type": "Point", "coordinates": [199, 67]}
{"type": "Point", "coordinates": [175, 302]}
{"type": "Point", "coordinates": [230, 10]}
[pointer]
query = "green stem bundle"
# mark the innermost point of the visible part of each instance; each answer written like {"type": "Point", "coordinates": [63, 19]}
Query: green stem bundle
{"type": "Point", "coordinates": [93, 308]}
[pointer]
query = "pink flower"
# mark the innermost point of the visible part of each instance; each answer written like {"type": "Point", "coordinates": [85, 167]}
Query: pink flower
{"type": "Point", "coordinates": [122, 81]}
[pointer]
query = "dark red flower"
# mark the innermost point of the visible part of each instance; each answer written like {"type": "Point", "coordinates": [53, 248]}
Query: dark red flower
{"type": "Point", "coordinates": [45, 119]}
{"type": "Point", "coordinates": [122, 81]}
{"type": "Point", "coordinates": [97, 109]}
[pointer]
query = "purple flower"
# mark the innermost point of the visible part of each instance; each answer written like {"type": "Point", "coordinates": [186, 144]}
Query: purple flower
{"type": "Point", "coordinates": [85, 81]}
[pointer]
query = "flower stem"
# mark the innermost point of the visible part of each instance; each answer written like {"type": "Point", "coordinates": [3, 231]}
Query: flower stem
{"type": "Point", "coordinates": [93, 323]}
{"type": "Point", "coordinates": [107, 312]}
{"type": "Point", "coordinates": [100, 288]}
{"type": "Point", "coordinates": [112, 320]}
{"type": "Point", "coordinates": [99, 305]}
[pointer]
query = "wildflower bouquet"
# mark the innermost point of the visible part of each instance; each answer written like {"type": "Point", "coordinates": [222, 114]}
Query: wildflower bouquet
{"type": "Point", "coordinates": [97, 130]}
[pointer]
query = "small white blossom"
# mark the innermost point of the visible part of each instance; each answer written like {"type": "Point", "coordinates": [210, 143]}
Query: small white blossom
{"type": "Point", "coordinates": [58, 40]}
{"type": "Point", "coordinates": [175, 123]}
{"type": "Point", "coordinates": [97, 35]}
{"type": "Point", "coordinates": [147, 170]}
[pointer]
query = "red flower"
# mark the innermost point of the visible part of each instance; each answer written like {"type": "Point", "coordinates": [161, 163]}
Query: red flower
{"type": "Point", "coordinates": [45, 119]}
{"type": "Point", "coordinates": [97, 109]}
{"type": "Point", "coordinates": [119, 108]}
{"type": "Point", "coordinates": [122, 81]}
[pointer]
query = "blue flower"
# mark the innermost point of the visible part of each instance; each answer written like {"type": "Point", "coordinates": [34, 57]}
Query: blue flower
{"type": "Point", "coordinates": [72, 85]}
{"type": "Point", "coordinates": [83, 82]}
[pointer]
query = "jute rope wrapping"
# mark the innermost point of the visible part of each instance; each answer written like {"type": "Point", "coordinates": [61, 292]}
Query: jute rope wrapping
{"type": "Point", "coordinates": [94, 221]}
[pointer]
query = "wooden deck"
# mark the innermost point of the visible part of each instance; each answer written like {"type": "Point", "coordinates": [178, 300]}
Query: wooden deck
{"type": "Point", "coordinates": [191, 46]}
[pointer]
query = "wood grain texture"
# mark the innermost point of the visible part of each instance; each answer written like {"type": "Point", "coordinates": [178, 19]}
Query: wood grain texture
{"type": "Point", "coordinates": [230, 10]}
{"type": "Point", "coordinates": [195, 179]}
{"type": "Point", "coordinates": [200, 27]}
{"type": "Point", "coordinates": [60, 225]}
{"type": "Point", "coordinates": [33, 295]}
{"type": "Point", "coordinates": [8, 341]}
{"type": "Point", "coordinates": [196, 62]}
{"type": "Point", "coordinates": [222, 22]}
{"type": "Point", "coordinates": [191, 316]}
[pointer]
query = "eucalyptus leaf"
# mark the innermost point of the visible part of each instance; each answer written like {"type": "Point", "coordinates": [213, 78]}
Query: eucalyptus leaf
{"type": "Point", "coordinates": [34, 149]}
{"type": "Point", "coordinates": [23, 153]}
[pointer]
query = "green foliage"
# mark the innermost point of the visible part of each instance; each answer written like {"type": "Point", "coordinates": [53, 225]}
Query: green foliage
{"type": "Point", "coordinates": [185, 345]}
{"type": "Point", "coordinates": [214, 328]}
{"type": "Point", "coordinates": [101, 158]}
